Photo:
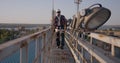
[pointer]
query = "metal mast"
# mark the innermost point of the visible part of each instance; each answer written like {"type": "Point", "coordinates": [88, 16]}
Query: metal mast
{"type": "Point", "coordinates": [52, 12]}
{"type": "Point", "coordinates": [77, 2]}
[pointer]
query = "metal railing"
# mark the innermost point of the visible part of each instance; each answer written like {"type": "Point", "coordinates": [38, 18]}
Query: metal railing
{"type": "Point", "coordinates": [34, 45]}
{"type": "Point", "coordinates": [113, 41]}
{"type": "Point", "coordinates": [84, 51]}
{"type": "Point", "coordinates": [34, 48]}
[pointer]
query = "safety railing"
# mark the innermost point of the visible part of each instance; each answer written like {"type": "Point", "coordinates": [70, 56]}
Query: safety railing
{"type": "Point", "coordinates": [27, 49]}
{"type": "Point", "coordinates": [113, 41]}
{"type": "Point", "coordinates": [84, 51]}
{"type": "Point", "coordinates": [34, 48]}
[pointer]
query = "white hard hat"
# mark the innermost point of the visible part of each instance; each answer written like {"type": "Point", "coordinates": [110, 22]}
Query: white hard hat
{"type": "Point", "coordinates": [58, 11]}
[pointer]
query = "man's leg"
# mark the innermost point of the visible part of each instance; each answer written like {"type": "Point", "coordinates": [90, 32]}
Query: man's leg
{"type": "Point", "coordinates": [63, 40]}
{"type": "Point", "coordinates": [58, 38]}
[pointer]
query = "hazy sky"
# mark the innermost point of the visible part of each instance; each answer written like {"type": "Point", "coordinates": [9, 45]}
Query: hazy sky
{"type": "Point", "coordinates": [39, 11]}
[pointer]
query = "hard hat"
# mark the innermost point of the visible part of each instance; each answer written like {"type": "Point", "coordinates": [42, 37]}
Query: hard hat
{"type": "Point", "coordinates": [58, 11]}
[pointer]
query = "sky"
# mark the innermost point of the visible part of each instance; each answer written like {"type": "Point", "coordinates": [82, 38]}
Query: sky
{"type": "Point", "coordinates": [39, 11]}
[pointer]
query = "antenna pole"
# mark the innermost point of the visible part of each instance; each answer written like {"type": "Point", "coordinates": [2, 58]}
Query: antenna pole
{"type": "Point", "coordinates": [53, 16]}
{"type": "Point", "coordinates": [77, 2]}
{"type": "Point", "coordinates": [53, 13]}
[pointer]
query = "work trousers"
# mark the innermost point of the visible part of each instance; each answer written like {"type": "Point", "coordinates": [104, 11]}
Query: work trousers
{"type": "Point", "coordinates": [60, 36]}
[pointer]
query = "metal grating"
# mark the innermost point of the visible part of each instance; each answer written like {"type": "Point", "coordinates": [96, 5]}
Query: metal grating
{"type": "Point", "coordinates": [57, 55]}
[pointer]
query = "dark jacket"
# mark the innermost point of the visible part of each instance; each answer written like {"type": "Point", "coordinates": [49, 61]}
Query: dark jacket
{"type": "Point", "coordinates": [62, 21]}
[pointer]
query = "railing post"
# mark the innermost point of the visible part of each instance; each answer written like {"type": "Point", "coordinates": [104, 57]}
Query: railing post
{"type": "Point", "coordinates": [82, 54]}
{"type": "Point", "coordinates": [91, 40]}
{"type": "Point", "coordinates": [37, 50]}
{"type": "Point", "coordinates": [113, 50]}
{"type": "Point", "coordinates": [82, 36]}
{"type": "Point", "coordinates": [77, 36]}
{"type": "Point", "coordinates": [91, 58]}
{"type": "Point", "coordinates": [24, 52]}
{"type": "Point", "coordinates": [43, 47]}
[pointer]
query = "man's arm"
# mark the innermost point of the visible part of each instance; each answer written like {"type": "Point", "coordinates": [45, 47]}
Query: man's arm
{"type": "Point", "coordinates": [65, 23]}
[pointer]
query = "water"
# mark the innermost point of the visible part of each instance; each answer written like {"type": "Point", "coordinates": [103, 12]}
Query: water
{"type": "Point", "coordinates": [15, 58]}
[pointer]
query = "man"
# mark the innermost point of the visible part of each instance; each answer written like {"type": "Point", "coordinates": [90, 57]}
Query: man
{"type": "Point", "coordinates": [60, 26]}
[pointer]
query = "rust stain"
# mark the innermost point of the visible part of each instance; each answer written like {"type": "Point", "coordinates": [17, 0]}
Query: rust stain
{"type": "Point", "coordinates": [23, 44]}
{"type": "Point", "coordinates": [101, 35]}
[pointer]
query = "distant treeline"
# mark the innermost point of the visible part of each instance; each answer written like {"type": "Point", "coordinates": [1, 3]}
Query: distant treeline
{"type": "Point", "coordinates": [117, 27]}
{"type": "Point", "coordinates": [6, 35]}
{"type": "Point", "coordinates": [9, 25]}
